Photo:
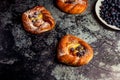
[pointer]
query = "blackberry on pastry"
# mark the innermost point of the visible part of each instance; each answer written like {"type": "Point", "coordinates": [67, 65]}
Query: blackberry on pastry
{"type": "Point", "coordinates": [72, 6]}
{"type": "Point", "coordinates": [38, 20]}
{"type": "Point", "coordinates": [74, 51]}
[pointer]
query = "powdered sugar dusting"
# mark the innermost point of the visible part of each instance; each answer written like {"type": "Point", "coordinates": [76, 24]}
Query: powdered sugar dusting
{"type": "Point", "coordinates": [45, 25]}
{"type": "Point", "coordinates": [81, 1]}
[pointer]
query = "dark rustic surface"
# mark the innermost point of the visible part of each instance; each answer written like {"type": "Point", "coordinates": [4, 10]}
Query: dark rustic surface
{"type": "Point", "coordinates": [24, 56]}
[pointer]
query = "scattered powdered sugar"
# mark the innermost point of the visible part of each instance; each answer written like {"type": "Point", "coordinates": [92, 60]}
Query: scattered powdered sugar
{"type": "Point", "coordinates": [44, 25]}
{"type": "Point", "coordinates": [81, 1]}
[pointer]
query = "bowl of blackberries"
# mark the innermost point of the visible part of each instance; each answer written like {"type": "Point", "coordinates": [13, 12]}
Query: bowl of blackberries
{"type": "Point", "coordinates": [108, 11]}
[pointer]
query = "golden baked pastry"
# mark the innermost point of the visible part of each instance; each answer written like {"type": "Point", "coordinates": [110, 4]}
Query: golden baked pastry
{"type": "Point", "coordinates": [37, 20]}
{"type": "Point", "coordinates": [72, 6]}
{"type": "Point", "coordinates": [74, 51]}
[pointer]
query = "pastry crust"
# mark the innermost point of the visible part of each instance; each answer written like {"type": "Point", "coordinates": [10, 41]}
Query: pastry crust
{"type": "Point", "coordinates": [65, 57]}
{"type": "Point", "coordinates": [43, 23]}
{"type": "Point", "coordinates": [77, 7]}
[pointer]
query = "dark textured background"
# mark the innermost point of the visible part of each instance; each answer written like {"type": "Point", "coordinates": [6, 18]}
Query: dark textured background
{"type": "Point", "coordinates": [24, 56]}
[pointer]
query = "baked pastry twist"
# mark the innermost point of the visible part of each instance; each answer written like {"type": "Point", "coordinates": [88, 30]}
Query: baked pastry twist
{"type": "Point", "coordinates": [37, 20]}
{"type": "Point", "coordinates": [72, 6]}
{"type": "Point", "coordinates": [74, 51]}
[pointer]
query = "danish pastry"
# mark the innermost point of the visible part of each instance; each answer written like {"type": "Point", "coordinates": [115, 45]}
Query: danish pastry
{"type": "Point", "coordinates": [72, 6]}
{"type": "Point", "coordinates": [74, 51]}
{"type": "Point", "coordinates": [38, 20]}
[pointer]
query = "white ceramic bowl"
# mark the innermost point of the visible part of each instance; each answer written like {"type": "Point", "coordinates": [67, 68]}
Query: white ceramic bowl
{"type": "Point", "coordinates": [97, 10]}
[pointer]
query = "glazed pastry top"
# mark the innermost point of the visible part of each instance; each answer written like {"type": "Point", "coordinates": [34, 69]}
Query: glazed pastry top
{"type": "Point", "coordinates": [36, 19]}
{"type": "Point", "coordinates": [74, 51]}
{"type": "Point", "coordinates": [75, 1]}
